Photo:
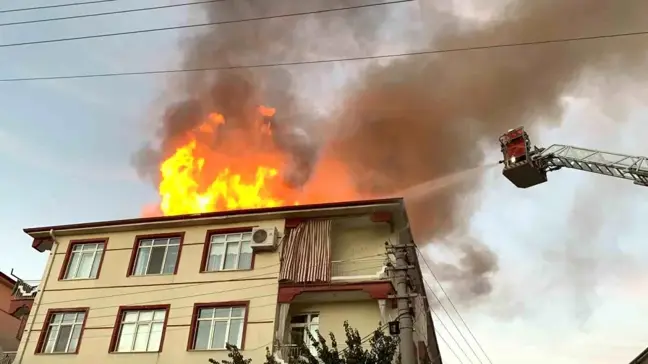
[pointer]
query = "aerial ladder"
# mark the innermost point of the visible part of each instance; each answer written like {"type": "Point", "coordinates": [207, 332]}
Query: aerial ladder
{"type": "Point", "coordinates": [526, 166]}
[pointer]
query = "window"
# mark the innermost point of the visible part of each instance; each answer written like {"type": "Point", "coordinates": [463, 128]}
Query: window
{"type": "Point", "coordinates": [158, 255]}
{"type": "Point", "coordinates": [140, 330]}
{"type": "Point", "coordinates": [230, 251]}
{"type": "Point", "coordinates": [300, 325]}
{"type": "Point", "coordinates": [83, 260]}
{"type": "Point", "coordinates": [63, 332]}
{"type": "Point", "coordinates": [215, 326]}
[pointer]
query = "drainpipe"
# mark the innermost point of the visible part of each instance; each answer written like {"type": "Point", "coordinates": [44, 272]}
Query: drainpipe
{"type": "Point", "coordinates": [38, 299]}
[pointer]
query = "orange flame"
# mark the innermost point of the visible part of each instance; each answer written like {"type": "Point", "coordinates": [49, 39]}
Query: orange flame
{"type": "Point", "coordinates": [243, 172]}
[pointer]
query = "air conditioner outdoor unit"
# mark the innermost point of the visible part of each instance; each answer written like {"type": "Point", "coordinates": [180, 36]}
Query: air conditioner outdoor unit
{"type": "Point", "coordinates": [265, 239]}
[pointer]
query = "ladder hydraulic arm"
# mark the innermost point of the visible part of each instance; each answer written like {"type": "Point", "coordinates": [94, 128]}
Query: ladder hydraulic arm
{"type": "Point", "coordinates": [525, 166]}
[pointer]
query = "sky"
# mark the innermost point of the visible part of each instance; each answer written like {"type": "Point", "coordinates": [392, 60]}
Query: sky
{"type": "Point", "coordinates": [571, 286]}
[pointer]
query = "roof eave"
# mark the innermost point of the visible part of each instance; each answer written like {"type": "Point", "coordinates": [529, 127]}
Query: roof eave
{"type": "Point", "coordinates": [43, 242]}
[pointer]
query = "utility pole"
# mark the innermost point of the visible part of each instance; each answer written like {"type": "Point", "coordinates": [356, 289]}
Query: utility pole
{"type": "Point", "coordinates": [403, 296]}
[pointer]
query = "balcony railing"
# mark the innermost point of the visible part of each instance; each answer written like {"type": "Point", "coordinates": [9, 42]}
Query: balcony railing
{"type": "Point", "coordinates": [289, 351]}
{"type": "Point", "coordinates": [358, 269]}
{"type": "Point", "coordinates": [7, 357]}
{"type": "Point", "coordinates": [25, 289]}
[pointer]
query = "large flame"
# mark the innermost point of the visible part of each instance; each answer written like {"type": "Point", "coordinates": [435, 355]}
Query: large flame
{"type": "Point", "coordinates": [243, 171]}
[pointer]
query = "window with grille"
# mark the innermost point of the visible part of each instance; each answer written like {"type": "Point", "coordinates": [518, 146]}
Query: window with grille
{"type": "Point", "coordinates": [229, 252]}
{"type": "Point", "coordinates": [156, 256]}
{"type": "Point", "coordinates": [216, 326]}
{"type": "Point", "coordinates": [63, 332]}
{"type": "Point", "coordinates": [140, 331]}
{"type": "Point", "coordinates": [84, 261]}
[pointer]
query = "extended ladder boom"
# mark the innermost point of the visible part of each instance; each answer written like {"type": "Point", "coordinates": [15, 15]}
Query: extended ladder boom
{"type": "Point", "coordinates": [526, 166]}
{"type": "Point", "coordinates": [609, 164]}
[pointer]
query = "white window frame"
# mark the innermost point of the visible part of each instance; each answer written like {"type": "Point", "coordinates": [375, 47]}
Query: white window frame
{"type": "Point", "coordinates": [96, 249]}
{"type": "Point", "coordinates": [141, 324]}
{"type": "Point", "coordinates": [309, 325]}
{"type": "Point", "coordinates": [54, 328]}
{"type": "Point", "coordinates": [243, 238]}
{"type": "Point", "coordinates": [150, 243]}
{"type": "Point", "coordinates": [213, 319]}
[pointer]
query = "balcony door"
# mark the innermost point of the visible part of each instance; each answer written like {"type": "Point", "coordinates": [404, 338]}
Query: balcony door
{"type": "Point", "coordinates": [300, 325]}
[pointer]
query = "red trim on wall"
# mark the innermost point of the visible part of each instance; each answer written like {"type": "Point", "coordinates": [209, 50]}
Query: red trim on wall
{"type": "Point", "coordinates": [68, 255]}
{"type": "Point", "coordinates": [120, 314]}
{"type": "Point", "coordinates": [292, 223]}
{"type": "Point", "coordinates": [131, 263]}
{"type": "Point", "coordinates": [48, 318]}
{"type": "Point", "coordinates": [208, 235]}
{"type": "Point", "coordinates": [194, 320]}
{"type": "Point", "coordinates": [376, 290]}
{"type": "Point", "coordinates": [381, 216]}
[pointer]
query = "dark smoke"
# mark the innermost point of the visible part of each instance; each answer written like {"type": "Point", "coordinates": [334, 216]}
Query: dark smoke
{"type": "Point", "coordinates": [416, 118]}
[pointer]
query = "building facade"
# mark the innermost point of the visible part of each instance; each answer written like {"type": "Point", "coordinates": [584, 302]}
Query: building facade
{"type": "Point", "coordinates": [177, 289]}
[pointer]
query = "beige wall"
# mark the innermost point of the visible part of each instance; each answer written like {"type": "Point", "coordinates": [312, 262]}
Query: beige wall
{"type": "Point", "coordinates": [361, 249]}
{"type": "Point", "coordinates": [362, 315]}
{"type": "Point", "coordinates": [113, 289]}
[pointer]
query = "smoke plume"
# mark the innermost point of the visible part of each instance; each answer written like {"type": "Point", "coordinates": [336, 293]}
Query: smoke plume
{"type": "Point", "coordinates": [413, 119]}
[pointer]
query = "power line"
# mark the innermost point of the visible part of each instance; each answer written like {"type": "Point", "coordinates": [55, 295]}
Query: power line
{"type": "Point", "coordinates": [112, 315]}
{"type": "Point", "coordinates": [183, 297]}
{"type": "Point", "coordinates": [332, 60]}
{"type": "Point", "coordinates": [151, 30]}
{"type": "Point", "coordinates": [110, 13]}
{"type": "Point", "coordinates": [452, 337]}
{"type": "Point", "coordinates": [55, 6]}
{"type": "Point", "coordinates": [189, 285]}
{"type": "Point", "coordinates": [454, 307]}
{"type": "Point", "coordinates": [450, 347]}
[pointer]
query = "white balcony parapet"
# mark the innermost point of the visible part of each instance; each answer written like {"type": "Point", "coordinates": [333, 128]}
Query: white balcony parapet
{"type": "Point", "coordinates": [358, 269]}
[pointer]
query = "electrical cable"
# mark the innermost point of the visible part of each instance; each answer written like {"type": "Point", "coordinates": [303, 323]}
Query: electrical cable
{"type": "Point", "coordinates": [165, 288]}
{"type": "Point", "coordinates": [324, 61]}
{"type": "Point", "coordinates": [443, 307]}
{"type": "Point", "coordinates": [151, 30]}
{"type": "Point", "coordinates": [112, 315]}
{"type": "Point", "coordinates": [453, 337]}
{"type": "Point", "coordinates": [449, 348]}
{"type": "Point", "coordinates": [201, 2]}
{"type": "Point", "coordinates": [55, 6]}
{"type": "Point", "coordinates": [166, 329]}
{"type": "Point", "coordinates": [453, 306]}
{"type": "Point", "coordinates": [188, 296]}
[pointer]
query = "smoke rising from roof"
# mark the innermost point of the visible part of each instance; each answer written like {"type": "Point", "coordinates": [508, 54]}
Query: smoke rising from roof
{"type": "Point", "coordinates": [416, 118]}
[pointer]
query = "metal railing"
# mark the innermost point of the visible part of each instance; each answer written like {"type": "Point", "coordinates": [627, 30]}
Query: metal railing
{"type": "Point", "coordinates": [289, 351]}
{"type": "Point", "coordinates": [368, 268]}
{"type": "Point", "coordinates": [26, 289]}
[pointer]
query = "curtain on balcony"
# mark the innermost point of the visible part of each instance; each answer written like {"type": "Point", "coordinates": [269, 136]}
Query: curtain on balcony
{"type": "Point", "coordinates": [306, 254]}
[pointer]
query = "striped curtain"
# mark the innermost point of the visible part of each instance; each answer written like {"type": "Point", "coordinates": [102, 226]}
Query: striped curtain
{"type": "Point", "coordinates": [306, 254]}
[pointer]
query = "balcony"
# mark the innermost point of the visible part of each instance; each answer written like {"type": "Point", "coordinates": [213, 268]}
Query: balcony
{"type": "Point", "coordinates": [362, 269]}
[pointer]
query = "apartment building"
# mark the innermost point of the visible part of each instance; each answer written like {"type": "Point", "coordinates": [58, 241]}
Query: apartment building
{"type": "Point", "coordinates": [175, 289]}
